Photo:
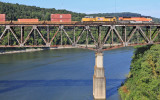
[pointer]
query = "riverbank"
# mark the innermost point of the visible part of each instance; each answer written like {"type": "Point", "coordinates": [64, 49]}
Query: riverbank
{"type": "Point", "coordinates": [143, 81]}
{"type": "Point", "coordinates": [30, 50]}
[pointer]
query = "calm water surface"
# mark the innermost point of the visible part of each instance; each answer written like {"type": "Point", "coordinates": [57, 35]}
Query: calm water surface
{"type": "Point", "coordinates": [60, 74]}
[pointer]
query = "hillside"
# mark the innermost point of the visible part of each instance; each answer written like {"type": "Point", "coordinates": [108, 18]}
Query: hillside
{"type": "Point", "coordinates": [15, 11]}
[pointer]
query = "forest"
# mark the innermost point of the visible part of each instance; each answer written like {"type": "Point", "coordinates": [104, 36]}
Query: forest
{"type": "Point", "coordinates": [143, 81]}
{"type": "Point", "coordinates": [15, 11]}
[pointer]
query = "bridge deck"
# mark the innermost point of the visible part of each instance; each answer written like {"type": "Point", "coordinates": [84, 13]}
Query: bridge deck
{"type": "Point", "coordinates": [76, 23]}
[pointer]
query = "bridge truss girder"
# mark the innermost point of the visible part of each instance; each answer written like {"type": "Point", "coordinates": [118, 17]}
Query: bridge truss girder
{"type": "Point", "coordinates": [123, 33]}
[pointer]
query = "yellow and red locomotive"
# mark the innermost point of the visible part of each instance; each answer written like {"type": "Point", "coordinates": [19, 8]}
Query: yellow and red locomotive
{"type": "Point", "coordinates": [99, 19]}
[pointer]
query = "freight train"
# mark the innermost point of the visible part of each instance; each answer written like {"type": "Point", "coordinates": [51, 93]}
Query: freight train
{"type": "Point", "coordinates": [119, 20]}
{"type": "Point", "coordinates": [99, 19]}
{"type": "Point", "coordinates": [59, 18]}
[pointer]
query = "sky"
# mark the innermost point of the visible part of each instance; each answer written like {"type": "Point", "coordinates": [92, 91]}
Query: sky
{"type": "Point", "coordinates": [144, 7]}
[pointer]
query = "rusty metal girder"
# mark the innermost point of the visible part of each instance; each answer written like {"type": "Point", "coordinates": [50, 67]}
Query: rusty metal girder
{"type": "Point", "coordinates": [41, 35]}
{"type": "Point", "coordinates": [54, 36]}
{"type": "Point", "coordinates": [117, 33]}
{"type": "Point", "coordinates": [106, 36]}
{"type": "Point", "coordinates": [144, 35]}
{"type": "Point", "coordinates": [80, 36]}
{"type": "Point", "coordinates": [132, 32]}
{"type": "Point", "coordinates": [156, 35]}
{"type": "Point", "coordinates": [98, 42]}
{"type": "Point", "coordinates": [67, 36]}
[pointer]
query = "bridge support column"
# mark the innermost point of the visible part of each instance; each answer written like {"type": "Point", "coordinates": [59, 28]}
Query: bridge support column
{"type": "Point", "coordinates": [99, 80]}
{"type": "Point", "coordinates": [125, 44]}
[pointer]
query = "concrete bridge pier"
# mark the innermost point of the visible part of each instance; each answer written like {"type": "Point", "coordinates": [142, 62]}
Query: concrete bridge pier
{"type": "Point", "coordinates": [125, 44]}
{"type": "Point", "coordinates": [99, 80]}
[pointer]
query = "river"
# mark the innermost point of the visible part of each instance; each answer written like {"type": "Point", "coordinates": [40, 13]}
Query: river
{"type": "Point", "coordinates": [65, 74]}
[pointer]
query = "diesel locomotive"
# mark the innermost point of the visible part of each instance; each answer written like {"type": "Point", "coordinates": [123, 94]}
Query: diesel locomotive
{"type": "Point", "coordinates": [118, 20]}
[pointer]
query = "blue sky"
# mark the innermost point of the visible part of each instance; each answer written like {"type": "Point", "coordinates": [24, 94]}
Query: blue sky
{"type": "Point", "coordinates": [145, 7]}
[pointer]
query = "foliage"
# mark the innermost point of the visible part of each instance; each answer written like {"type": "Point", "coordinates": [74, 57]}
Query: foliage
{"type": "Point", "coordinates": [16, 11]}
{"type": "Point", "coordinates": [143, 82]}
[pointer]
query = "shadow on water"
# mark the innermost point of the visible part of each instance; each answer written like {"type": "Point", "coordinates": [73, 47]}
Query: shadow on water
{"type": "Point", "coordinates": [113, 86]}
{"type": "Point", "coordinates": [6, 86]}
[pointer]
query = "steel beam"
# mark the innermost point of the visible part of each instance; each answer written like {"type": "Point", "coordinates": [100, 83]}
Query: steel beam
{"type": "Point", "coordinates": [54, 36]}
{"type": "Point", "coordinates": [3, 33]}
{"type": "Point", "coordinates": [154, 31]}
{"type": "Point", "coordinates": [125, 34]}
{"type": "Point", "coordinates": [41, 35]}
{"type": "Point", "coordinates": [80, 35]}
{"type": "Point", "coordinates": [117, 33]}
{"type": "Point", "coordinates": [99, 37]}
{"type": "Point", "coordinates": [8, 36]}
{"type": "Point", "coordinates": [67, 36]}
{"type": "Point", "coordinates": [28, 36]}
{"type": "Point", "coordinates": [87, 39]}
{"type": "Point", "coordinates": [112, 35]}
{"type": "Point", "coordinates": [61, 28]}
{"type": "Point", "coordinates": [35, 40]}
{"type": "Point", "coordinates": [48, 33]}
{"type": "Point", "coordinates": [106, 36]}
{"type": "Point", "coordinates": [156, 35]}
{"type": "Point", "coordinates": [14, 35]}
{"type": "Point", "coordinates": [133, 31]}
{"type": "Point", "coordinates": [92, 37]}
{"type": "Point", "coordinates": [22, 33]}
{"type": "Point", "coordinates": [150, 33]}
{"type": "Point", "coordinates": [144, 35]}
{"type": "Point", "coordinates": [74, 37]}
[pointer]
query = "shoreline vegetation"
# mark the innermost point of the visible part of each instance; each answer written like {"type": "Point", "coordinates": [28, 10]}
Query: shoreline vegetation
{"type": "Point", "coordinates": [143, 81]}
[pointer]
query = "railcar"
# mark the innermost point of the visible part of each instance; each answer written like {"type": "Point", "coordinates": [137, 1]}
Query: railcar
{"type": "Point", "coordinates": [99, 19]}
{"type": "Point", "coordinates": [135, 20]}
{"type": "Point", "coordinates": [28, 20]}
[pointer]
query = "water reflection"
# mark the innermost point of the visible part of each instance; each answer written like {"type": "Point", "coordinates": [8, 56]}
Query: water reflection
{"type": "Point", "coordinates": [6, 86]}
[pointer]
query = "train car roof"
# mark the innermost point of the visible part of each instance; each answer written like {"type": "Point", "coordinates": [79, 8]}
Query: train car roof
{"type": "Point", "coordinates": [136, 16]}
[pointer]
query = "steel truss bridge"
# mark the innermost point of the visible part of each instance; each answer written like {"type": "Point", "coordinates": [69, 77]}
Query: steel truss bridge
{"type": "Point", "coordinates": [98, 32]}
{"type": "Point", "coordinates": [23, 34]}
